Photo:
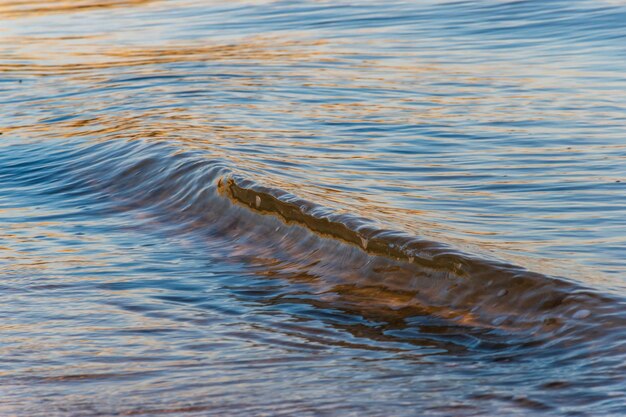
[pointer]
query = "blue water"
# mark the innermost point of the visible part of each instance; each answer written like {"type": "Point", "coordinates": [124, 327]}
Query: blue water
{"type": "Point", "coordinates": [312, 208]}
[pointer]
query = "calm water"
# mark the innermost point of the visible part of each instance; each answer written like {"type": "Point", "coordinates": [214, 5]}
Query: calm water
{"type": "Point", "coordinates": [312, 208]}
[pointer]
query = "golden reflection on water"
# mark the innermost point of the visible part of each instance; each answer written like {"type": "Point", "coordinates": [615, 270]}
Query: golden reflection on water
{"type": "Point", "coordinates": [31, 8]}
{"type": "Point", "coordinates": [95, 62]}
{"type": "Point", "coordinates": [19, 242]}
{"type": "Point", "coordinates": [50, 56]}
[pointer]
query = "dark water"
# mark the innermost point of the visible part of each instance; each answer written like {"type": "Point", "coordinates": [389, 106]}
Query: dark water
{"type": "Point", "coordinates": [312, 208]}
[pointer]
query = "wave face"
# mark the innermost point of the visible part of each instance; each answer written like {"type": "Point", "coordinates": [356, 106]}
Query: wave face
{"type": "Point", "coordinates": [306, 208]}
{"type": "Point", "coordinates": [446, 282]}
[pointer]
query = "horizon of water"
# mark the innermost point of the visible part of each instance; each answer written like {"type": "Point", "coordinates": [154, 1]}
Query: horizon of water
{"type": "Point", "coordinates": [312, 208]}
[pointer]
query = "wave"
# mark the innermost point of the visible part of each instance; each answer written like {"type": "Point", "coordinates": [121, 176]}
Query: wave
{"type": "Point", "coordinates": [343, 253]}
{"type": "Point", "coordinates": [456, 285]}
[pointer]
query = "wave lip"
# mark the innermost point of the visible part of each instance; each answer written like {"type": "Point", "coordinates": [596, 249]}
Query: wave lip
{"type": "Point", "coordinates": [469, 289]}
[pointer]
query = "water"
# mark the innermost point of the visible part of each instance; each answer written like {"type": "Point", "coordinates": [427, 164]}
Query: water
{"type": "Point", "coordinates": [312, 208]}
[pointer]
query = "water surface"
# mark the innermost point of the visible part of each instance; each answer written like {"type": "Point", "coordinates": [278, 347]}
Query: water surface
{"type": "Point", "coordinates": [312, 208]}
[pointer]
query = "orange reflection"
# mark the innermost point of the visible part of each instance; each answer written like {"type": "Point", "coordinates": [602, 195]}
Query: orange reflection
{"type": "Point", "coordinates": [28, 8]}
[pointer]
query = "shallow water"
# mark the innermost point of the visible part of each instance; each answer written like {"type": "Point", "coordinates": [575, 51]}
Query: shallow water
{"type": "Point", "coordinates": [312, 208]}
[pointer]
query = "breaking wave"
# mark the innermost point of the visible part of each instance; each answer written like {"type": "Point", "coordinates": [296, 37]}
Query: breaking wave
{"type": "Point", "coordinates": [195, 194]}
